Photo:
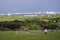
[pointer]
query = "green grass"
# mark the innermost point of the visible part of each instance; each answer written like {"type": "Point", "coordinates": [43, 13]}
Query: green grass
{"type": "Point", "coordinates": [11, 18]}
{"type": "Point", "coordinates": [34, 35]}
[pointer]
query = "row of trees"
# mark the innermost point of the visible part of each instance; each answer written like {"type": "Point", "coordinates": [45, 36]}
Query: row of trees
{"type": "Point", "coordinates": [32, 24]}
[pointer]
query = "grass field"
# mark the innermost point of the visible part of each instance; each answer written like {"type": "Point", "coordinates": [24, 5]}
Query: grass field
{"type": "Point", "coordinates": [33, 35]}
{"type": "Point", "coordinates": [11, 18]}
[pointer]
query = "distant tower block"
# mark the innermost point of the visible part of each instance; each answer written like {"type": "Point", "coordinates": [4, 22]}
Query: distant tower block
{"type": "Point", "coordinates": [51, 12]}
{"type": "Point", "coordinates": [47, 12]}
{"type": "Point", "coordinates": [9, 14]}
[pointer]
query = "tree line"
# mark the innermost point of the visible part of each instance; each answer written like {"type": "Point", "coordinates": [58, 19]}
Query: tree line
{"type": "Point", "coordinates": [32, 24]}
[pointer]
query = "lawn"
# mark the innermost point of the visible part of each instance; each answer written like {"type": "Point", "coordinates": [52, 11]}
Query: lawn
{"type": "Point", "coordinates": [32, 35]}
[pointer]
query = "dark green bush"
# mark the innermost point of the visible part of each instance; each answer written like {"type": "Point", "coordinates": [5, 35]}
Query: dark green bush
{"type": "Point", "coordinates": [33, 24]}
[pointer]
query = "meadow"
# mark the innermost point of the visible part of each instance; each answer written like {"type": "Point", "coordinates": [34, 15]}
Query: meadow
{"type": "Point", "coordinates": [34, 23]}
{"type": "Point", "coordinates": [33, 35]}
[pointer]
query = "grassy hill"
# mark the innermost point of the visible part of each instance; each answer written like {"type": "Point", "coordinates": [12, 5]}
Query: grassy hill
{"type": "Point", "coordinates": [33, 35]}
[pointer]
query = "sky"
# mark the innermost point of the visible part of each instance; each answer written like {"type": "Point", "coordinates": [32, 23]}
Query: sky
{"type": "Point", "coordinates": [16, 6]}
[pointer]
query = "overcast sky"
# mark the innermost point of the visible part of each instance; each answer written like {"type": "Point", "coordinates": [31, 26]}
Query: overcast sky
{"type": "Point", "coordinates": [14, 6]}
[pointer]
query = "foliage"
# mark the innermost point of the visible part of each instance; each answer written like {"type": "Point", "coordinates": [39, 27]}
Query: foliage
{"type": "Point", "coordinates": [18, 22]}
